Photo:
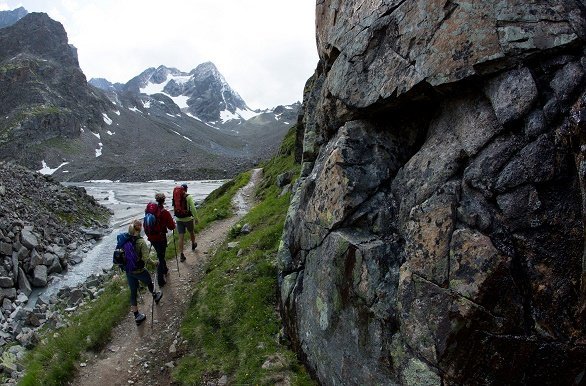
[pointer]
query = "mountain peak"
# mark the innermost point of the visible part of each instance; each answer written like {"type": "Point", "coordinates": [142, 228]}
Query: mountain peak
{"type": "Point", "coordinates": [38, 35]}
{"type": "Point", "coordinates": [8, 18]}
{"type": "Point", "coordinates": [202, 93]}
{"type": "Point", "coordinates": [207, 69]}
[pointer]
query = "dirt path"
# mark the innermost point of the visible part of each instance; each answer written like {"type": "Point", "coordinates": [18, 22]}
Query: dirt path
{"type": "Point", "coordinates": [145, 355]}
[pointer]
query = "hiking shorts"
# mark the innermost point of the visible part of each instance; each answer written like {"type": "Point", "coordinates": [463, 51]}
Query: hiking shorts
{"type": "Point", "coordinates": [183, 225]}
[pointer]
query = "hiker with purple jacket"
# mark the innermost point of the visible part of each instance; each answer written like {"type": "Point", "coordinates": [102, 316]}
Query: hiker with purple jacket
{"type": "Point", "coordinates": [138, 272]}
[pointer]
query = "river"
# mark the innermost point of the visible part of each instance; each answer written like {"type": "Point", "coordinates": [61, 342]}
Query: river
{"type": "Point", "coordinates": [127, 200]}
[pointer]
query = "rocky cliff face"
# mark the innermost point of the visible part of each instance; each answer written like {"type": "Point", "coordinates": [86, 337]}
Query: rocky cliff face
{"type": "Point", "coordinates": [44, 97]}
{"type": "Point", "coordinates": [8, 18]}
{"type": "Point", "coordinates": [436, 235]}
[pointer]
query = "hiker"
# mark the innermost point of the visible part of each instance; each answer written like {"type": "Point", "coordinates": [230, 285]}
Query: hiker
{"type": "Point", "coordinates": [184, 209]}
{"type": "Point", "coordinates": [158, 236]}
{"type": "Point", "coordinates": [138, 273]}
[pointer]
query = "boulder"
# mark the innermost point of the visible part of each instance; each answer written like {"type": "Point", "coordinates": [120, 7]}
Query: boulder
{"type": "Point", "coordinates": [40, 276]}
{"type": "Point", "coordinates": [28, 239]}
{"type": "Point", "coordinates": [8, 363]}
{"type": "Point", "coordinates": [28, 338]}
{"type": "Point", "coordinates": [284, 179]}
{"type": "Point", "coordinates": [6, 282]}
{"type": "Point", "coordinates": [246, 229]}
{"type": "Point", "coordinates": [9, 293]}
{"type": "Point", "coordinates": [22, 253]}
{"type": "Point", "coordinates": [55, 266]}
{"type": "Point", "coordinates": [5, 248]}
{"type": "Point", "coordinates": [7, 305]}
{"type": "Point", "coordinates": [23, 284]}
{"type": "Point", "coordinates": [93, 233]}
{"type": "Point", "coordinates": [76, 258]}
{"type": "Point", "coordinates": [75, 297]}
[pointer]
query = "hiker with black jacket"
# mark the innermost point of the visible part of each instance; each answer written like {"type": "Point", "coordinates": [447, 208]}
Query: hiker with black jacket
{"type": "Point", "coordinates": [158, 237]}
{"type": "Point", "coordinates": [138, 272]}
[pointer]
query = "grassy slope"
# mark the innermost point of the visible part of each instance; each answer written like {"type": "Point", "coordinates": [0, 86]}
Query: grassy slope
{"type": "Point", "coordinates": [53, 361]}
{"type": "Point", "coordinates": [232, 325]}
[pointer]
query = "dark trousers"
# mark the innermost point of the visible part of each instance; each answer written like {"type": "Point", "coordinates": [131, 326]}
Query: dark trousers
{"type": "Point", "coordinates": [161, 247]}
{"type": "Point", "coordinates": [133, 282]}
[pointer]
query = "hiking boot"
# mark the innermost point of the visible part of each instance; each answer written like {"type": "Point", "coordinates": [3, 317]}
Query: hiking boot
{"type": "Point", "coordinates": [193, 246]}
{"type": "Point", "coordinates": [139, 318]}
{"type": "Point", "coordinates": [157, 296]}
{"type": "Point", "coordinates": [183, 258]}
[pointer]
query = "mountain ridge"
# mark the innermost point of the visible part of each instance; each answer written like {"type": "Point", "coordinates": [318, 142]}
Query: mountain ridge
{"type": "Point", "coordinates": [55, 117]}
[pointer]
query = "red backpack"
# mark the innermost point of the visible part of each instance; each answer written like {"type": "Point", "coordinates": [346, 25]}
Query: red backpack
{"type": "Point", "coordinates": [152, 223]}
{"type": "Point", "coordinates": [179, 202]}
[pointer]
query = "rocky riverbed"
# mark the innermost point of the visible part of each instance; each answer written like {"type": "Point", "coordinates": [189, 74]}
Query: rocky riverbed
{"type": "Point", "coordinates": [45, 228]}
{"type": "Point", "coordinates": [21, 322]}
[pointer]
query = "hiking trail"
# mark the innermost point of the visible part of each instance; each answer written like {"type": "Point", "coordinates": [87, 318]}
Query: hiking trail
{"type": "Point", "coordinates": [145, 355]}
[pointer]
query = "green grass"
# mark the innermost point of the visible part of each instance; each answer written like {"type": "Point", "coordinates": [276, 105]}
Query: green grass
{"type": "Point", "coordinates": [65, 145]}
{"type": "Point", "coordinates": [53, 361]}
{"type": "Point", "coordinates": [218, 205]}
{"type": "Point", "coordinates": [232, 324]}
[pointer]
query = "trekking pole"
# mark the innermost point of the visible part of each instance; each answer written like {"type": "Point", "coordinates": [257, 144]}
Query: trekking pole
{"type": "Point", "coordinates": [177, 261]}
{"type": "Point", "coordinates": [153, 305]}
{"type": "Point", "coordinates": [154, 292]}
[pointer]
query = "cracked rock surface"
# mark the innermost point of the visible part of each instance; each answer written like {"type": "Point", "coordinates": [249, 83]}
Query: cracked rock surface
{"type": "Point", "coordinates": [436, 235]}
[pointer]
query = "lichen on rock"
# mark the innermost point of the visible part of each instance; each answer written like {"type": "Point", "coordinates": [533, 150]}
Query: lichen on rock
{"type": "Point", "coordinates": [436, 235]}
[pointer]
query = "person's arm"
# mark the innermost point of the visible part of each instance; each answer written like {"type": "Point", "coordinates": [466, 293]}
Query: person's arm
{"type": "Point", "coordinates": [170, 224]}
{"type": "Point", "coordinates": [191, 206]}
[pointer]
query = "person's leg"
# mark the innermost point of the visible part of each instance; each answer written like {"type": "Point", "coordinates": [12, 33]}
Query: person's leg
{"type": "Point", "coordinates": [145, 277]}
{"type": "Point", "coordinates": [181, 233]}
{"type": "Point", "coordinates": [133, 285]}
{"type": "Point", "coordinates": [190, 228]}
{"type": "Point", "coordinates": [160, 247]}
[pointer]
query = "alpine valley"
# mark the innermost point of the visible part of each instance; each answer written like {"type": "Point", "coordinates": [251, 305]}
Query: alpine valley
{"type": "Point", "coordinates": [164, 123]}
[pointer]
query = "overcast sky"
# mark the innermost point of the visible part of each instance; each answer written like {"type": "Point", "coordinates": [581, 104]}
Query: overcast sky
{"type": "Point", "coordinates": [264, 48]}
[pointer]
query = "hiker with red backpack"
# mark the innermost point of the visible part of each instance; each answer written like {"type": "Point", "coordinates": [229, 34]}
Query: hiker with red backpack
{"type": "Point", "coordinates": [184, 209]}
{"type": "Point", "coordinates": [135, 251]}
{"type": "Point", "coordinates": [157, 221]}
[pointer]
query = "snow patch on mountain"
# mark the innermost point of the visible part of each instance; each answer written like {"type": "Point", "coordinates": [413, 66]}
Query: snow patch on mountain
{"type": "Point", "coordinates": [227, 115]}
{"type": "Point", "coordinates": [180, 100]}
{"type": "Point", "coordinates": [99, 149]}
{"type": "Point", "coordinates": [46, 170]}
{"type": "Point", "coordinates": [181, 135]}
{"type": "Point", "coordinates": [107, 119]}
